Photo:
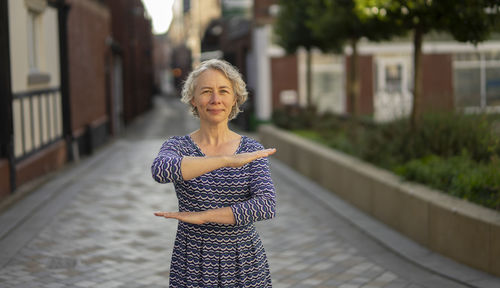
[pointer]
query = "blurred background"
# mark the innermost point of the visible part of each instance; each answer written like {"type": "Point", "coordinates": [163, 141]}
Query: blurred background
{"type": "Point", "coordinates": [410, 86]}
{"type": "Point", "coordinates": [75, 73]}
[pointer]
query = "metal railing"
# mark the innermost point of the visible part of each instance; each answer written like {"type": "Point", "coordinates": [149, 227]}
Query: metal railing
{"type": "Point", "coordinates": [37, 121]}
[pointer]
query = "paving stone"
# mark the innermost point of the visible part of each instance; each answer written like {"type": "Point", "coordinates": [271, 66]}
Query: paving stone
{"type": "Point", "coordinates": [107, 236]}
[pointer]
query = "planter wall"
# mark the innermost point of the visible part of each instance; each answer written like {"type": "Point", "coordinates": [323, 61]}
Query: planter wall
{"type": "Point", "coordinates": [463, 231]}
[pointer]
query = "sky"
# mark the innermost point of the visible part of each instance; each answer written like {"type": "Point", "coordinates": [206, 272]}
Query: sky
{"type": "Point", "coordinates": [161, 13]}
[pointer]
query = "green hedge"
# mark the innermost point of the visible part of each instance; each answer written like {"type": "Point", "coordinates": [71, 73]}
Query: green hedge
{"type": "Point", "coordinates": [455, 153]}
{"type": "Point", "coordinates": [460, 176]}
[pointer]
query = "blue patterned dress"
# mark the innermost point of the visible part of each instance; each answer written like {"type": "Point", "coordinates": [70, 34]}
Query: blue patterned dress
{"type": "Point", "coordinates": [218, 255]}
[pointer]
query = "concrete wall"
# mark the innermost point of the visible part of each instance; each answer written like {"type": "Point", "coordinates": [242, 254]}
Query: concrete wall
{"type": "Point", "coordinates": [450, 226]}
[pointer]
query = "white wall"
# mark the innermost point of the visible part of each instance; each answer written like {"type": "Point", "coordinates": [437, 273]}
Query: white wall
{"type": "Point", "coordinates": [263, 96]}
{"type": "Point", "coordinates": [38, 120]}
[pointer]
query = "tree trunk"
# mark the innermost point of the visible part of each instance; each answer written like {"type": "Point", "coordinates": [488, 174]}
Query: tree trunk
{"type": "Point", "coordinates": [309, 79]}
{"type": "Point", "coordinates": [417, 78]}
{"type": "Point", "coordinates": [353, 80]}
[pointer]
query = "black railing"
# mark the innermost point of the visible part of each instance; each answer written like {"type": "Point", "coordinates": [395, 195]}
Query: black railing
{"type": "Point", "coordinates": [48, 122]}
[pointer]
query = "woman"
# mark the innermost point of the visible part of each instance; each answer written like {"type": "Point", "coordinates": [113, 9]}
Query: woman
{"type": "Point", "coordinates": [223, 185]}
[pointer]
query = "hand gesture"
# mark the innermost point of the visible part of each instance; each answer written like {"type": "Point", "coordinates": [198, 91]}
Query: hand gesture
{"type": "Point", "coordinates": [239, 160]}
{"type": "Point", "coordinates": [188, 217]}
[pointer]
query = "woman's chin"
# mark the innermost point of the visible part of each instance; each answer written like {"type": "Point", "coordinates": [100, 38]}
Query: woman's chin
{"type": "Point", "coordinates": [215, 118]}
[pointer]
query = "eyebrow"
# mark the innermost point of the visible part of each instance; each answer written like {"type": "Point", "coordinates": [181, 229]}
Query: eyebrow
{"type": "Point", "coordinates": [221, 87]}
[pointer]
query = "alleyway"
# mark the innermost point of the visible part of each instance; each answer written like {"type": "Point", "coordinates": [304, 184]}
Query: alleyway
{"type": "Point", "coordinates": [93, 226]}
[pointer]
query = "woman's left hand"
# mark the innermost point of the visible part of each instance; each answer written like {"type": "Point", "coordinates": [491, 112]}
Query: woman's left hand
{"type": "Point", "coordinates": [188, 217]}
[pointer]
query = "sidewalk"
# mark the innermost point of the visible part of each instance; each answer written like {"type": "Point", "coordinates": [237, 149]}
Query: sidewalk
{"type": "Point", "coordinates": [93, 226]}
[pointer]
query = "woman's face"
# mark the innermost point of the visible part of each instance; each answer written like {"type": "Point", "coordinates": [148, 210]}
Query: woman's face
{"type": "Point", "coordinates": [213, 96]}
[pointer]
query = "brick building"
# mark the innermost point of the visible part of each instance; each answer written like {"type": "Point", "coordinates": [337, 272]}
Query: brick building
{"type": "Point", "coordinates": [88, 71]}
{"type": "Point", "coordinates": [455, 75]}
{"type": "Point", "coordinates": [131, 30]}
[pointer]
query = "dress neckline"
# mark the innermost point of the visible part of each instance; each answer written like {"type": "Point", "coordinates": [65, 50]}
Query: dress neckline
{"type": "Point", "coordinates": [197, 148]}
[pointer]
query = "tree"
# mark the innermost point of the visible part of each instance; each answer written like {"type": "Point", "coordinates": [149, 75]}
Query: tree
{"type": "Point", "coordinates": [466, 20]}
{"type": "Point", "coordinates": [336, 22]}
{"type": "Point", "coordinates": [292, 33]}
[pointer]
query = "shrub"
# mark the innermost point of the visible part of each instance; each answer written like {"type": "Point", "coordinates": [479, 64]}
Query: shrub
{"type": "Point", "coordinates": [445, 135]}
{"type": "Point", "coordinates": [452, 152]}
{"type": "Point", "coordinates": [460, 176]}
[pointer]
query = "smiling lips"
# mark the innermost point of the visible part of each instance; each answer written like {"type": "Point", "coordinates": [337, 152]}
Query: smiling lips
{"type": "Point", "coordinates": [215, 111]}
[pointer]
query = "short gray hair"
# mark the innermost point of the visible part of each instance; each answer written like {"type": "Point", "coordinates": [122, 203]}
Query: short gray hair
{"type": "Point", "coordinates": [232, 74]}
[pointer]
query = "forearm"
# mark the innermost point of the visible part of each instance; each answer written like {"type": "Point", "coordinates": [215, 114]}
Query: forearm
{"type": "Point", "coordinates": [219, 215]}
{"type": "Point", "coordinates": [253, 210]}
{"type": "Point", "coordinates": [192, 167]}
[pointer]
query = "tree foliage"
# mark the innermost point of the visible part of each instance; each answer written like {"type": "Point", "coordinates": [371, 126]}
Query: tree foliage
{"type": "Point", "coordinates": [331, 24]}
{"type": "Point", "coordinates": [292, 32]}
{"type": "Point", "coordinates": [466, 20]}
{"type": "Point", "coordinates": [291, 28]}
{"type": "Point", "coordinates": [335, 23]}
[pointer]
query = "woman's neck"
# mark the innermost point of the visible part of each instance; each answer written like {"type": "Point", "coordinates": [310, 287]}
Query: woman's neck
{"type": "Point", "coordinates": [213, 135]}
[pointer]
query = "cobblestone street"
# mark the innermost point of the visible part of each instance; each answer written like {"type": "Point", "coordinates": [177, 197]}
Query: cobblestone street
{"type": "Point", "coordinates": [98, 229]}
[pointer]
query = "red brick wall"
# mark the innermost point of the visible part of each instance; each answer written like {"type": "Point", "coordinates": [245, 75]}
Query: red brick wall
{"type": "Point", "coordinates": [437, 82]}
{"type": "Point", "coordinates": [88, 27]}
{"type": "Point", "coordinates": [366, 78]}
{"type": "Point", "coordinates": [133, 33]}
{"type": "Point", "coordinates": [283, 76]}
{"type": "Point", "coordinates": [261, 10]}
{"type": "Point", "coordinates": [4, 178]}
{"type": "Point", "coordinates": [49, 159]}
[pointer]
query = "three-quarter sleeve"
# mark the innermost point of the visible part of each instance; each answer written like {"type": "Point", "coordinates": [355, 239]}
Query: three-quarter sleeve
{"type": "Point", "coordinates": [167, 165]}
{"type": "Point", "coordinates": [262, 204]}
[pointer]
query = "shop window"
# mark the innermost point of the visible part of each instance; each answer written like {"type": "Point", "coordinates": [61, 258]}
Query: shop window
{"type": "Point", "coordinates": [477, 79]}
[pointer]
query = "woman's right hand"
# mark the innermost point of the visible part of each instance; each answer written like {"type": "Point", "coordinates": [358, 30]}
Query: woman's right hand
{"type": "Point", "coordinates": [239, 160]}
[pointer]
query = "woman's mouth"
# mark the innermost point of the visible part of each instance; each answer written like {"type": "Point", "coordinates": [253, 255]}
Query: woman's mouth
{"type": "Point", "coordinates": [215, 111]}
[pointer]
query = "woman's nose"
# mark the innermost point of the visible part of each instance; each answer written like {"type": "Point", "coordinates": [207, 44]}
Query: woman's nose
{"type": "Point", "coordinates": [215, 97]}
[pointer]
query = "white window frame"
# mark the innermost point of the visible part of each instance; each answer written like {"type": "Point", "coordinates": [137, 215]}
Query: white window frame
{"type": "Point", "coordinates": [392, 105]}
{"type": "Point", "coordinates": [480, 64]}
{"type": "Point", "coordinates": [382, 63]}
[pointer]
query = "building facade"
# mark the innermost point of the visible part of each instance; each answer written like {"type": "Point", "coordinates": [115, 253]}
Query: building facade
{"type": "Point", "coordinates": [456, 76]}
{"type": "Point", "coordinates": [33, 138]}
{"type": "Point", "coordinates": [65, 80]}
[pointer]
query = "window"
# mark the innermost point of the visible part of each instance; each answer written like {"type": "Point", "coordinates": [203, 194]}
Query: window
{"type": "Point", "coordinates": [392, 97]}
{"type": "Point", "coordinates": [492, 86]}
{"type": "Point", "coordinates": [391, 75]}
{"type": "Point", "coordinates": [35, 12]}
{"type": "Point", "coordinates": [327, 86]}
{"type": "Point", "coordinates": [466, 87]}
{"type": "Point", "coordinates": [394, 78]}
{"type": "Point", "coordinates": [33, 41]}
{"type": "Point", "coordinates": [477, 79]}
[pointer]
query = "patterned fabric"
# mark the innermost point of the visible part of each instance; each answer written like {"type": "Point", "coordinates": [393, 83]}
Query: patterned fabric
{"type": "Point", "coordinates": [218, 255]}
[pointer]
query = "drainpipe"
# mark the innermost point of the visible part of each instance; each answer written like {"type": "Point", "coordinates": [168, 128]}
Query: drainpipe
{"type": "Point", "coordinates": [63, 9]}
{"type": "Point", "coordinates": [6, 128]}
